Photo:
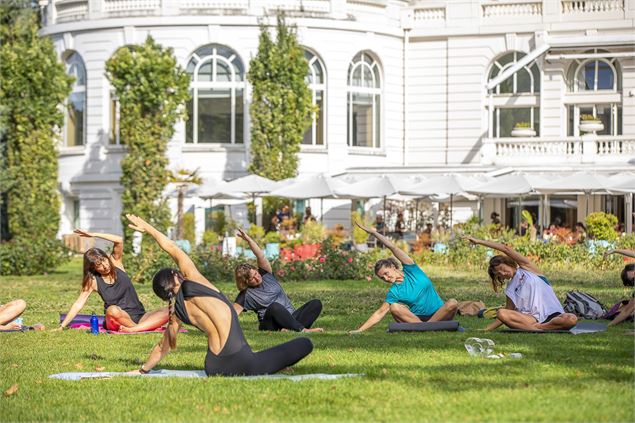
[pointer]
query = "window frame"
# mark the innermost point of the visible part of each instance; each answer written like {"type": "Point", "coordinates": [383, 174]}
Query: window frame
{"type": "Point", "coordinates": [376, 92]}
{"type": "Point", "coordinates": [75, 88]}
{"type": "Point", "coordinates": [315, 88]}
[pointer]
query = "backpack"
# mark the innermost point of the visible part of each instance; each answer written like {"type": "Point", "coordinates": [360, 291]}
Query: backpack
{"type": "Point", "coordinates": [583, 305]}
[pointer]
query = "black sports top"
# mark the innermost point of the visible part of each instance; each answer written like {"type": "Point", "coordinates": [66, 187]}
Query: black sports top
{"type": "Point", "coordinates": [235, 340]}
{"type": "Point", "coordinates": [121, 294]}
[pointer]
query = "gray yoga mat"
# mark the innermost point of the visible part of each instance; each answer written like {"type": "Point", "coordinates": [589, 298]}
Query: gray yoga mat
{"type": "Point", "coordinates": [582, 327]}
{"type": "Point", "coordinates": [451, 325]}
{"type": "Point", "coordinates": [197, 374]}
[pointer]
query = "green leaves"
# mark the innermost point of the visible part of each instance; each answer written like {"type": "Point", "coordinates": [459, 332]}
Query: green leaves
{"type": "Point", "coordinates": [282, 106]}
{"type": "Point", "coordinates": [151, 88]}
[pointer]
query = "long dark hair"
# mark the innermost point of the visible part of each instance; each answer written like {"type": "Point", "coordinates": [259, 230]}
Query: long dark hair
{"type": "Point", "coordinates": [497, 281]}
{"type": "Point", "coordinates": [625, 279]}
{"type": "Point", "coordinates": [93, 256]}
{"type": "Point", "coordinates": [163, 286]}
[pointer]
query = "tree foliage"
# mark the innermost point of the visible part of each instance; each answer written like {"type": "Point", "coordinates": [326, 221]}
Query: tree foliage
{"type": "Point", "coordinates": [152, 89]}
{"type": "Point", "coordinates": [281, 107]}
{"type": "Point", "coordinates": [34, 86]}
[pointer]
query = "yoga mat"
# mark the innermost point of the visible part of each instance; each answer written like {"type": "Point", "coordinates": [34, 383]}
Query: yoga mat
{"type": "Point", "coordinates": [24, 329]}
{"type": "Point", "coordinates": [583, 327]}
{"type": "Point", "coordinates": [447, 325]}
{"type": "Point", "coordinates": [86, 326]}
{"type": "Point", "coordinates": [83, 318]}
{"type": "Point", "coordinates": [197, 374]}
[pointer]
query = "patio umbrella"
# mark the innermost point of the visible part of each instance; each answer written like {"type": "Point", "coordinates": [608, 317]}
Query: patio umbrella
{"type": "Point", "coordinates": [315, 186]}
{"type": "Point", "coordinates": [581, 182]}
{"type": "Point", "coordinates": [253, 185]}
{"type": "Point", "coordinates": [450, 185]}
{"type": "Point", "coordinates": [217, 190]}
{"type": "Point", "coordinates": [376, 187]}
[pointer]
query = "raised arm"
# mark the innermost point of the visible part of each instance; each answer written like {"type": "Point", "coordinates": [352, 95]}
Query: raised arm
{"type": "Point", "coordinates": [627, 253]}
{"type": "Point", "coordinates": [374, 318]}
{"type": "Point", "coordinates": [522, 261]}
{"type": "Point", "coordinates": [263, 263]}
{"type": "Point", "coordinates": [396, 251]}
{"type": "Point", "coordinates": [117, 248]}
{"type": "Point", "coordinates": [183, 261]}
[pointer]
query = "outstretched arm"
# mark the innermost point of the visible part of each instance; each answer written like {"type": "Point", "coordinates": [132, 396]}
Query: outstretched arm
{"type": "Point", "coordinates": [374, 318]}
{"type": "Point", "coordinates": [397, 252]}
{"type": "Point", "coordinates": [522, 261]}
{"type": "Point", "coordinates": [117, 248]}
{"type": "Point", "coordinates": [627, 253]}
{"type": "Point", "coordinates": [76, 307]}
{"type": "Point", "coordinates": [183, 261]}
{"type": "Point", "coordinates": [263, 263]}
{"type": "Point", "coordinates": [160, 350]}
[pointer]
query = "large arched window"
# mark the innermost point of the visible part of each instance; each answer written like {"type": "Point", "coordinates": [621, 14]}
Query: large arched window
{"type": "Point", "coordinates": [515, 101]}
{"type": "Point", "coordinates": [364, 102]}
{"type": "Point", "coordinates": [75, 115]}
{"type": "Point", "coordinates": [598, 82]}
{"type": "Point", "coordinates": [316, 79]}
{"type": "Point", "coordinates": [216, 108]}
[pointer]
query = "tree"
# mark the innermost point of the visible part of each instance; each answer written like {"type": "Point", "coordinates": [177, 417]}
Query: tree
{"type": "Point", "coordinates": [34, 87]}
{"type": "Point", "coordinates": [152, 89]}
{"type": "Point", "coordinates": [282, 106]}
{"type": "Point", "coordinates": [182, 178]}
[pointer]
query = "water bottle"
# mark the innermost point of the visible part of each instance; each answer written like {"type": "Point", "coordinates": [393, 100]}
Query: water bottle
{"type": "Point", "coordinates": [94, 325]}
{"type": "Point", "coordinates": [480, 347]}
{"type": "Point", "coordinates": [19, 321]}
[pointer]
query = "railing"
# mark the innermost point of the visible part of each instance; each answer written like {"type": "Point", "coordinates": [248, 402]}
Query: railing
{"type": "Point", "coordinates": [591, 6]}
{"type": "Point", "coordinates": [130, 6]}
{"type": "Point", "coordinates": [428, 14]}
{"type": "Point", "coordinates": [213, 4]}
{"type": "Point", "coordinates": [507, 8]}
{"type": "Point", "coordinates": [70, 10]}
{"type": "Point", "coordinates": [548, 150]}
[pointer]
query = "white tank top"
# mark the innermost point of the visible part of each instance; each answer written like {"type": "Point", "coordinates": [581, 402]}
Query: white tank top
{"type": "Point", "coordinates": [532, 295]}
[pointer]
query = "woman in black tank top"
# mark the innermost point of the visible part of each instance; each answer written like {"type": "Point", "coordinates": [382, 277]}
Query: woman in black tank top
{"type": "Point", "coordinates": [195, 301]}
{"type": "Point", "coordinates": [105, 274]}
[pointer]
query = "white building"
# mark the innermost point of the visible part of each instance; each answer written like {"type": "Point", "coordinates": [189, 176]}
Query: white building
{"type": "Point", "coordinates": [404, 87]}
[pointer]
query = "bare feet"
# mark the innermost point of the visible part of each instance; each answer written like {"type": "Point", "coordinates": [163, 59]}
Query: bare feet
{"type": "Point", "coordinates": [39, 326]}
{"type": "Point", "coordinates": [126, 329]}
{"type": "Point", "coordinates": [305, 330]}
{"type": "Point", "coordinates": [11, 326]}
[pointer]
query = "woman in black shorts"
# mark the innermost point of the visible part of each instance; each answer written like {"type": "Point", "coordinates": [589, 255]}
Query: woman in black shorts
{"type": "Point", "coordinates": [194, 300]}
{"type": "Point", "coordinates": [105, 275]}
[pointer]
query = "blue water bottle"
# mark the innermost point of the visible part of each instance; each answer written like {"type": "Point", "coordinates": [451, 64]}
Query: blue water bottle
{"type": "Point", "coordinates": [94, 325]}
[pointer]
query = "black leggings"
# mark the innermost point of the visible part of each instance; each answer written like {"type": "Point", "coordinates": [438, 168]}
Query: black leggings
{"type": "Point", "coordinates": [246, 362]}
{"type": "Point", "coordinates": [277, 317]}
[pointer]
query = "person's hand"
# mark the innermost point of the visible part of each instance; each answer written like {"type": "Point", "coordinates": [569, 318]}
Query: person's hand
{"type": "Point", "coordinates": [58, 329]}
{"type": "Point", "coordinates": [83, 233]}
{"type": "Point", "coordinates": [366, 229]}
{"type": "Point", "coordinates": [608, 252]}
{"type": "Point", "coordinates": [138, 224]}
{"type": "Point", "coordinates": [240, 233]}
{"type": "Point", "coordinates": [470, 239]}
{"type": "Point", "coordinates": [134, 372]}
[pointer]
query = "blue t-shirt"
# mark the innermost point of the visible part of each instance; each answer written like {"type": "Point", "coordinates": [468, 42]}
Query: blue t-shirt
{"type": "Point", "coordinates": [416, 291]}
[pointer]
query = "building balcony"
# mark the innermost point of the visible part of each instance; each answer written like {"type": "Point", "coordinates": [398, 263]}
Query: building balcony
{"type": "Point", "coordinates": [588, 149]}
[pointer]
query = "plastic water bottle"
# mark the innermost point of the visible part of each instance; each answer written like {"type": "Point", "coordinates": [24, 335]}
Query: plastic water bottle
{"type": "Point", "coordinates": [94, 325]}
{"type": "Point", "coordinates": [19, 321]}
{"type": "Point", "coordinates": [479, 347]}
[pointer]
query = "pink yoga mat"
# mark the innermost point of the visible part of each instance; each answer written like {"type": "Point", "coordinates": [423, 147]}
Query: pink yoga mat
{"type": "Point", "coordinates": [114, 332]}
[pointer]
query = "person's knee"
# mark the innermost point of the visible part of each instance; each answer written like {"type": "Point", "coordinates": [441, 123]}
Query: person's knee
{"type": "Point", "coordinates": [113, 311]}
{"type": "Point", "coordinates": [397, 309]}
{"type": "Point", "coordinates": [570, 319]}
{"type": "Point", "coordinates": [275, 307]}
{"type": "Point", "coordinates": [502, 314]}
{"type": "Point", "coordinates": [316, 304]}
{"type": "Point", "coordinates": [19, 305]}
{"type": "Point", "coordinates": [452, 305]}
{"type": "Point", "coordinates": [305, 345]}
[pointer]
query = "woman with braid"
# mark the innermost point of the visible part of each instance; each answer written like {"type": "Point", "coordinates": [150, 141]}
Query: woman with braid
{"type": "Point", "coordinates": [411, 297]}
{"type": "Point", "coordinates": [195, 301]}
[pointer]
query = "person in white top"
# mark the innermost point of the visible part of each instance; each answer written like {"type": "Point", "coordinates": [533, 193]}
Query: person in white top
{"type": "Point", "coordinates": [531, 303]}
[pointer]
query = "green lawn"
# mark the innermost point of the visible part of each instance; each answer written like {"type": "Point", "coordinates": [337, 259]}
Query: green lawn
{"type": "Point", "coordinates": [409, 377]}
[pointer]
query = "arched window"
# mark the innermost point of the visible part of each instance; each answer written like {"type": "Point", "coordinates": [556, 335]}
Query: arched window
{"type": "Point", "coordinates": [591, 76]}
{"type": "Point", "coordinates": [515, 101]}
{"type": "Point", "coordinates": [75, 116]}
{"type": "Point", "coordinates": [364, 102]}
{"type": "Point", "coordinates": [216, 108]}
{"type": "Point", "coordinates": [316, 79]}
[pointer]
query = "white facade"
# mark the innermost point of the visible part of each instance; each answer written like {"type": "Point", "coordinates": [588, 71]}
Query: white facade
{"type": "Point", "coordinates": [435, 112]}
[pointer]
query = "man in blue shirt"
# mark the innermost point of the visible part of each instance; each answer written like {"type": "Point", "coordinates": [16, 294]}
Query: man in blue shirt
{"type": "Point", "coordinates": [411, 297]}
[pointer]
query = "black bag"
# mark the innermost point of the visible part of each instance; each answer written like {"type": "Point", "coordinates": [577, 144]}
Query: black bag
{"type": "Point", "coordinates": [583, 305]}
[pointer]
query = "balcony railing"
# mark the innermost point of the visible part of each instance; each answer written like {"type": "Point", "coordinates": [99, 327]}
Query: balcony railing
{"type": "Point", "coordinates": [591, 6]}
{"type": "Point", "coordinates": [501, 9]}
{"type": "Point", "coordinates": [558, 150]}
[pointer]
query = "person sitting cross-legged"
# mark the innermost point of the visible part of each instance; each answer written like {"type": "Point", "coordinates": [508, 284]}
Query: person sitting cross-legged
{"type": "Point", "coordinates": [411, 297]}
{"type": "Point", "coordinates": [627, 311]}
{"type": "Point", "coordinates": [9, 312]}
{"type": "Point", "coordinates": [261, 292]}
{"type": "Point", "coordinates": [531, 303]}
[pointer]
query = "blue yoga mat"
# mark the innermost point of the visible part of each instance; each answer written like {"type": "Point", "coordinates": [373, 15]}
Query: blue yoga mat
{"type": "Point", "coordinates": [198, 374]}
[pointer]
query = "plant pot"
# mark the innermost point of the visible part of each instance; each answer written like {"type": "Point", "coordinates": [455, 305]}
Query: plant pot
{"type": "Point", "coordinates": [523, 132]}
{"type": "Point", "coordinates": [272, 250]}
{"type": "Point", "coordinates": [361, 247]}
{"type": "Point", "coordinates": [591, 126]}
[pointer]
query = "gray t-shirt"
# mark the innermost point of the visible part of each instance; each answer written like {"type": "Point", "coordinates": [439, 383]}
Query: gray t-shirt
{"type": "Point", "coordinates": [258, 299]}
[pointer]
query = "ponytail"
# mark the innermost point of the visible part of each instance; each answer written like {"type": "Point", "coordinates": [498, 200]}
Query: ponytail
{"type": "Point", "coordinates": [171, 321]}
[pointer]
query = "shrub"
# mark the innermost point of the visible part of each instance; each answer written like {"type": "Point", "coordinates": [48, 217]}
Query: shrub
{"type": "Point", "coordinates": [601, 225]}
{"type": "Point", "coordinates": [189, 228]}
{"type": "Point", "coordinates": [360, 236]}
{"type": "Point", "coordinates": [257, 233]}
{"type": "Point", "coordinates": [219, 222]}
{"type": "Point", "coordinates": [41, 255]}
{"type": "Point", "coordinates": [312, 232]}
{"type": "Point", "coordinates": [210, 238]}
{"type": "Point", "coordinates": [272, 237]}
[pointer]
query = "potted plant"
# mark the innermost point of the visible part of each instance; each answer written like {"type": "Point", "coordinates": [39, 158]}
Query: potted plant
{"type": "Point", "coordinates": [312, 234]}
{"type": "Point", "coordinates": [523, 129]}
{"type": "Point", "coordinates": [360, 236]}
{"type": "Point", "coordinates": [590, 123]}
{"type": "Point", "coordinates": [272, 244]}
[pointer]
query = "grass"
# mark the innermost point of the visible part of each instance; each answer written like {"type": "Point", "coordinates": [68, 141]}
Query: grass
{"type": "Point", "coordinates": [408, 377]}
